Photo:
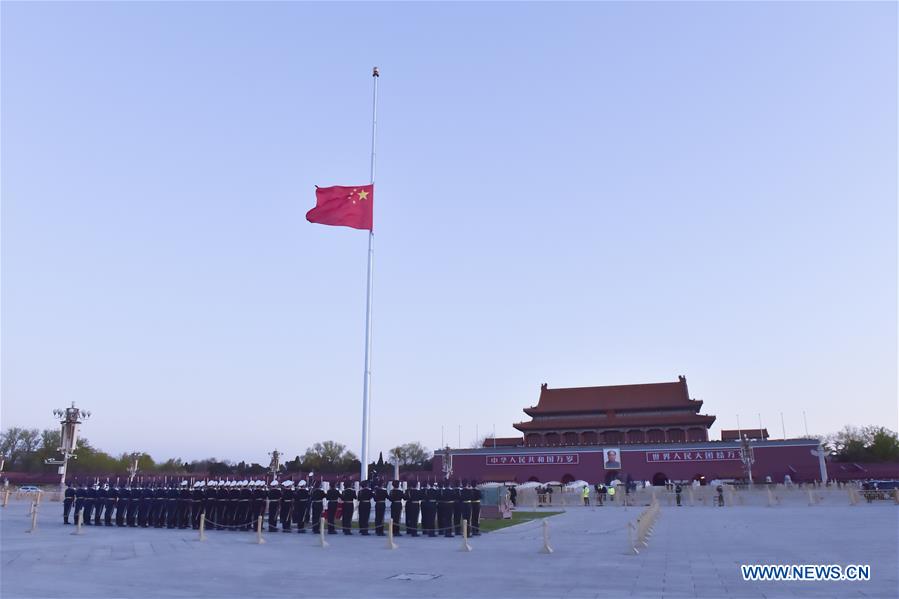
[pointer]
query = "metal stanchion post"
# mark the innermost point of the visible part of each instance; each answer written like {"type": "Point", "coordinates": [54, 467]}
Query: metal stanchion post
{"type": "Point", "coordinates": [79, 522]}
{"type": "Point", "coordinates": [259, 539]}
{"type": "Point", "coordinates": [390, 543]}
{"type": "Point", "coordinates": [5, 497]}
{"type": "Point", "coordinates": [203, 525]}
{"type": "Point", "coordinates": [546, 546]}
{"type": "Point", "coordinates": [465, 545]}
{"type": "Point", "coordinates": [33, 517]}
{"type": "Point", "coordinates": [321, 533]}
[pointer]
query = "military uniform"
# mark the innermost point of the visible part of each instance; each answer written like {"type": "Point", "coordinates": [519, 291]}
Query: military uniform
{"type": "Point", "coordinates": [413, 508]}
{"type": "Point", "coordinates": [318, 498]}
{"type": "Point", "coordinates": [365, 497]}
{"type": "Point", "coordinates": [333, 495]}
{"type": "Point", "coordinates": [69, 499]}
{"type": "Point", "coordinates": [274, 505]}
{"type": "Point", "coordinates": [380, 496]}
{"type": "Point", "coordinates": [476, 496]}
{"type": "Point", "coordinates": [348, 496]}
{"type": "Point", "coordinates": [90, 499]}
{"type": "Point", "coordinates": [429, 510]}
{"type": "Point", "coordinates": [457, 508]}
{"type": "Point", "coordinates": [396, 507]}
{"type": "Point", "coordinates": [288, 495]}
{"type": "Point", "coordinates": [466, 495]}
{"type": "Point", "coordinates": [445, 510]}
{"type": "Point", "coordinates": [112, 499]}
{"type": "Point", "coordinates": [301, 506]}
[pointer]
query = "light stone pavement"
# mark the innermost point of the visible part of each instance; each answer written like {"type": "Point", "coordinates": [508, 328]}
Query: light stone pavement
{"type": "Point", "coordinates": [694, 552]}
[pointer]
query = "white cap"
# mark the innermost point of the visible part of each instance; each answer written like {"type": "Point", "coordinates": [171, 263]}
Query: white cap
{"type": "Point", "coordinates": [302, 483]}
{"type": "Point", "coordinates": [288, 483]}
{"type": "Point", "coordinates": [274, 483]}
{"type": "Point", "coordinates": [183, 483]}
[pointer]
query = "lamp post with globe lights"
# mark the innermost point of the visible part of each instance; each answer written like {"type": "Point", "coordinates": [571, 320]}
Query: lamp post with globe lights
{"type": "Point", "coordinates": [71, 418]}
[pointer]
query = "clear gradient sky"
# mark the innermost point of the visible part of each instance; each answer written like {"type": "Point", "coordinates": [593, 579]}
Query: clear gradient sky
{"type": "Point", "coordinates": [577, 194]}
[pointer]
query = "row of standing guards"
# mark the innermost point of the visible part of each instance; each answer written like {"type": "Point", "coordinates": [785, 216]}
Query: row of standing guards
{"type": "Point", "coordinates": [430, 510]}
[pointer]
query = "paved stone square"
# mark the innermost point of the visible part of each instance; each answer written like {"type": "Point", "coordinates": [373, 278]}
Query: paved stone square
{"type": "Point", "coordinates": [694, 552]}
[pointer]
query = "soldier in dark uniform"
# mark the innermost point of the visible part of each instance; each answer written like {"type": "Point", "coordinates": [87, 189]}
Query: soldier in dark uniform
{"type": "Point", "coordinates": [213, 504]}
{"type": "Point", "coordinates": [100, 504]}
{"type": "Point", "coordinates": [80, 495]}
{"type": "Point", "coordinates": [143, 508]}
{"type": "Point", "coordinates": [380, 496]}
{"type": "Point", "coordinates": [413, 508]}
{"type": "Point", "coordinates": [396, 507]}
{"type": "Point", "coordinates": [244, 512]}
{"type": "Point", "coordinates": [677, 492]}
{"type": "Point", "coordinates": [172, 499]}
{"type": "Point", "coordinates": [465, 493]}
{"type": "Point", "coordinates": [260, 496]}
{"type": "Point", "coordinates": [121, 508]}
{"type": "Point", "coordinates": [348, 496]}
{"type": "Point", "coordinates": [196, 500]}
{"type": "Point", "coordinates": [184, 504]}
{"type": "Point", "coordinates": [445, 510]}
{"type": "Point", "coordinates": [720, 490]}
{"type": "Point", "coordinates": [476, 497]}
{"type": "Point", "coordinates": [155, 505]}
{"type": "Point", "coordinates": [90, 498]}
{"type": "Point", "coordinates": [301, 506]}
{"type": "Point", "coordinates": [365, 497]}
{"type": "Point", "coordinates": [429, 510]}
{"type": "Point", "coordinates": [274, 505]}
{"type": "Point", "coordinates": [67, 503]}
{"type": "Point", "coordinates": [112, 498]}
{"type": "Point", "coordinates": [457, 507]}
{"type": "Point", "coordinates": [288, 495]}
{"type": "Point", "coordinates": [318, 498]}
{"type": "Point", "coordinates": [133, 505]}
{"type": "Point", "coordinates": [333, 496]}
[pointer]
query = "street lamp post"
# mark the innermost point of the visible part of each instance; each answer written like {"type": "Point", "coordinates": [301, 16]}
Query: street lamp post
{"type": "Point", "coordinates": [275, 464]}
{"type": "Point", "coordinates": [747, 456]}
{"type": "Point", "coordinates": [68, 440]}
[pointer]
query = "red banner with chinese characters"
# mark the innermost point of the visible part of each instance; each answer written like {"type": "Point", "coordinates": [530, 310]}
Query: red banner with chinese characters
{"type": "Point", "coordinates": [533, 459]}
{"type": "Point", "coordinates": [712, 455]}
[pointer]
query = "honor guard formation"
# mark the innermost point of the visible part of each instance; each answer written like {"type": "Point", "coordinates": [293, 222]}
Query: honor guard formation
{"type": "Point", "coordinates": [429, 510]}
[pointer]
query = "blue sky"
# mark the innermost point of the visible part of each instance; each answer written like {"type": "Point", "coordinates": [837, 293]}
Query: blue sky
{"type": "Point", "coordinates": [577, 194]}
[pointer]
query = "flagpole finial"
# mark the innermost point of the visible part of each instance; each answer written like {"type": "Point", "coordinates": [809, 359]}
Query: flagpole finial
{"type": "Point", "coordinates": [375, 72]}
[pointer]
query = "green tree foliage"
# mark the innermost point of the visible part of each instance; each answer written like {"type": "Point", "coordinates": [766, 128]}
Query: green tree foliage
{"type": "Point", "coordinates": [329, 456]}
{"type": "Point", "coordinates": [863, 444]}
{"type": "Point", "coordinates": [411, 455]}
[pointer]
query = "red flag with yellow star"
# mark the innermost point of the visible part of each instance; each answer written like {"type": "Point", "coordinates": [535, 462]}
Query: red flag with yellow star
{"type": "Point", "coordinates": [343, 206]}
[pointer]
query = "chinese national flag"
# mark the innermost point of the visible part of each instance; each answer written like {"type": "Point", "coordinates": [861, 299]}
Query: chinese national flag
{"type": "Point", "coordinates": [343, 206]}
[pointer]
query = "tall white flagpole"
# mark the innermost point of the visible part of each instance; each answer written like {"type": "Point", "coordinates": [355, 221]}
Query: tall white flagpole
{"type": "Point", "coordinates": [366, 384]}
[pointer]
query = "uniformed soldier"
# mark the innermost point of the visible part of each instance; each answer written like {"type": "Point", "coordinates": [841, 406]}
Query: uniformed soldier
{"type": "Point", "coordinates": [196, 503]}
{"type": "Point", "coordinates": [380, 496]}
{"type": "Point", "coordinates": [465, 492]}
{"type": "Point", "coordinates": [365, 496]}
{"type": "Point", "coordinates": [317, 502]}
{"type": "Point", "coordinates": [132, 507]}
{"type": "Point", "coordinates": [720, 490]}
{"type": "Point", "coordinates": [90, 498]}
{"type": "Point", "coordinates": [258, 497]}
{"type": "Point", "coordinates": [429, 509]}
{"type": "Point", "coordinates": [288, 496]}
{"type": "Point", "coordinates": [143, 511]}
{"type": "Point", "coordinates": [677, 492]}
{"type": "Point", "coordinates": [244, 512]}
{"type": "Point", "coordinates": [457, 507]}
{"type": "Point", "coordinates": [413, 508]}
{"type": "Point", "coordinates": [185, 501]}
{"type": "Point", "coordinates": [333, 497]}
{"type": "Point", "coordinates": [476, 496]}
{"type": "Point", "coordinates": [80, 496]}
{"type": "Point", "coordinates": [171, 505]}
{"type": "Point", "coordinates": [274, 504]}
{"type": "Point", "coordinates": [69, 499]}
{"type": "Point", "coordinates": [445, 510]}
{"type": "Point", "coordinates": [396, 507]}
{"type": "Point", "coordinates": [348, 496]}
{"type": "Point", "coordinates": [122, 505]}
{"type": "Point", "coordinates": [100, 503]}
{"type": "Point", "coordinates": [112, 498]}
{"type": "Point", "coordinates": [301, 506]}
{"type": "Point", "coordinates": [156, 505]}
